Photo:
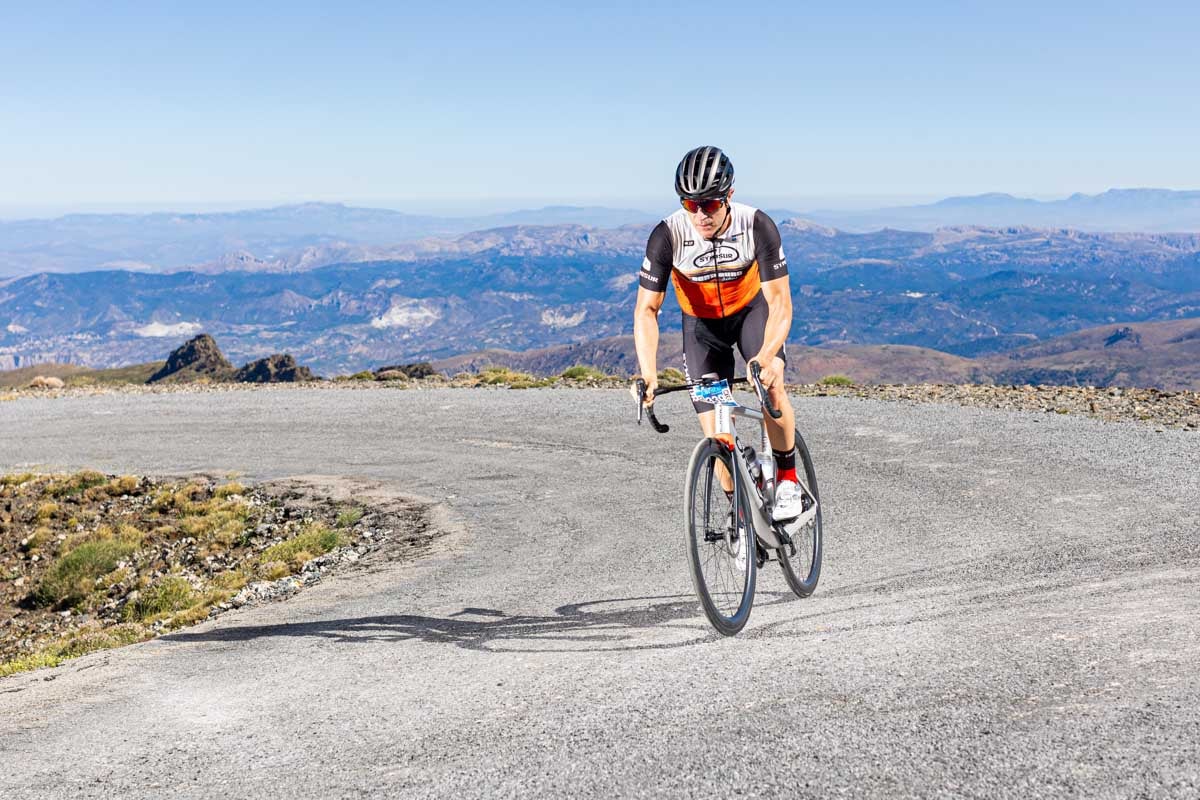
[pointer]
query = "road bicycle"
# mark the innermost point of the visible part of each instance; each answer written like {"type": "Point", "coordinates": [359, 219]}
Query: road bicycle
{"type": "Point", "coordinates": [728, 493]}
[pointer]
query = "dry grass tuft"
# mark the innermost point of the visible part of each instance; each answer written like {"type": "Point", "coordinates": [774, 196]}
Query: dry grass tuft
{"type": "Point", "coordinates": [314, 540]}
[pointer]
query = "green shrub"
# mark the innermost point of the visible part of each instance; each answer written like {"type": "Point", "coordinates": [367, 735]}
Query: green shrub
{"type": "Point", "coordinates": [671, 377]}
{"type": "Point", "coordinates": [166, 595]}
{"type": "Point", "coordinates": [69, 485]}
{"type": "Point", "coordinates": [73, 576]}
{"type": "Point", "coordinates": [349, 517]}
{"type": "Point", "coordinates": [496, 376]}
{"type": "Point", "coordinates": [580, 372]}
{"type": "Point", "coordinates": [836, 380]}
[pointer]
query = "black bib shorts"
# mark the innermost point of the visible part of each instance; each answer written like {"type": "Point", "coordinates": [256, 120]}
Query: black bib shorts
{"type": "Point", "coordinates": [708, 343]}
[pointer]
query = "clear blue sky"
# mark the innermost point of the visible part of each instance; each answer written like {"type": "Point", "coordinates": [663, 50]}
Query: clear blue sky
{"type": "Point", "coordinates": [471, 105]}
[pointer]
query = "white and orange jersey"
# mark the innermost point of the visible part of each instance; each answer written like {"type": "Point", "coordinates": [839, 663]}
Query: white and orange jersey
{"type": "Point", "coordinates": [714, 277]}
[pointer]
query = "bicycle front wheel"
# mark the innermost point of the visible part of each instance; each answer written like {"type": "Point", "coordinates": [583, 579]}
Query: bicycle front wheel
{"type": "Point", "coordinates": [720, 539]}
{"type": "Point", "coordinates": [802, 569]}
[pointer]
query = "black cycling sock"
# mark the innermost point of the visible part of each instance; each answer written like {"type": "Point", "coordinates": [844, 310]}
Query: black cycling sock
{"type": "Point", "coordinates": [785, 466]}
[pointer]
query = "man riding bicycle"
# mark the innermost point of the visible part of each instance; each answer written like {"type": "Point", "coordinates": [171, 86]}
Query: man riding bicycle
{"type": "Point", "coordinates": [731, 280]}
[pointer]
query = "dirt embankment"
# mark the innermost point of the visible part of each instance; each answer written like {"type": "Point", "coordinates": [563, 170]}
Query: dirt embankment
{"type": "Point", "coordinates": [92, 561]}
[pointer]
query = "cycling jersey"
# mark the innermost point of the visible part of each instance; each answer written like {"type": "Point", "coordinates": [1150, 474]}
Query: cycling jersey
{"type": "Point", "coordinates": [714, 278]}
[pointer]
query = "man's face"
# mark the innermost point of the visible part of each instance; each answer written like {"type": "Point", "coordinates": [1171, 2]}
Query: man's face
{"type": "Point", "coordinates": [709, 224]}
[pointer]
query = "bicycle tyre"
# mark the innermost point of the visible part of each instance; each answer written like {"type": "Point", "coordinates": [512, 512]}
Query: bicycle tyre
{"type": "Point", "coordinates": [803, 570]}
{"type": "Point", "coordinates": [725, 588]}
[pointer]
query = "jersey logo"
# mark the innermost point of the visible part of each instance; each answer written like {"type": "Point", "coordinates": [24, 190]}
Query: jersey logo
{"type": "Point", "coordinates": [724, 255]}
{"type": "Point", "coordinates": [688, 242]}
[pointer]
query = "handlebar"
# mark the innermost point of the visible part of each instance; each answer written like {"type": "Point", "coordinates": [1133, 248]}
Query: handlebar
{"type": "Point", "coordinates": [755, 378]}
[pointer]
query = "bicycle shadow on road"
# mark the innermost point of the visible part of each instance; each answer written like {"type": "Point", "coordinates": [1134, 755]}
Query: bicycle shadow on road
{"type": "Point", "coordinates": [618, 624]}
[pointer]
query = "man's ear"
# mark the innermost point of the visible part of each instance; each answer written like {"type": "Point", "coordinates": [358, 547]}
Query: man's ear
{"type": "Point", "coordinates": [730, 195]}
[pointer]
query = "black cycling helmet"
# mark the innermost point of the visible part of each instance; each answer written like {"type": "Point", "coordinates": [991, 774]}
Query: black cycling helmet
{"type": "Point", "coordinates": [704, 173]}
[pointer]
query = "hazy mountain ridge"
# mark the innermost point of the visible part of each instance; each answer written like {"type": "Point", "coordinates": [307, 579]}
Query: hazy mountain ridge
{"type": "Point", "coordinates": [312, 235]}
{"type": "Point", "coordinates": [1155, 210]}
{"type": "Point", "coordinates": [286, 237]}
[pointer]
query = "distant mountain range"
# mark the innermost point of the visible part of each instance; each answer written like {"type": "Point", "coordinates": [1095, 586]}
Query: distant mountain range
{"type": "Point", "coordinates": [966, 291]}
{"type": "Point", "coordinates": [276, 238]}
{"type": "Point", "coordinates": [1152, 210]}
{"type": "Point", "coordinates": [317, 234]}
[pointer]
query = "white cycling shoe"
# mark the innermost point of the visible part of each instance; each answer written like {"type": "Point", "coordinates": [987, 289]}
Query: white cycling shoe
{"type": "Point", "coordinates": [789, 501]}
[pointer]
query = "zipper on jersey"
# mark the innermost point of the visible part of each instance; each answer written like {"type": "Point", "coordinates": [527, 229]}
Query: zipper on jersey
{"type": "Point", "coordinates": [717, 275]}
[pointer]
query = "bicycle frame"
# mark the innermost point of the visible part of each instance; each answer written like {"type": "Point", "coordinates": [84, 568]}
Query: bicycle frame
{"type": "Point", "coordinates": [726, 432]}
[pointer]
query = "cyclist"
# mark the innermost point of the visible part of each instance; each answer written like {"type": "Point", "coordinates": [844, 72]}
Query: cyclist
{"type": "Point", "coordinates": [731, 280]}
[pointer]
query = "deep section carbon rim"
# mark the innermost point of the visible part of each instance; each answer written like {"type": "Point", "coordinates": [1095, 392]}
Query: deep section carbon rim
{"type": "Point", "coordinates": [803, 570]}
{"type": "Point", "coordinates": [720, 541]}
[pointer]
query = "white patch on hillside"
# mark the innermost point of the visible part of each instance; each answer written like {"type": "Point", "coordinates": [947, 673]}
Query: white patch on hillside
{"type": "Point", "coordinates": [621, 282]}
{"type": "Point", "coordinates": [407, 313]}
{"type": "Point", "coordinates": [15, 328]}
{"type": "Point", "coordinates": [556, 319]}
{"type": "Point", "coordinates": [157, 329]}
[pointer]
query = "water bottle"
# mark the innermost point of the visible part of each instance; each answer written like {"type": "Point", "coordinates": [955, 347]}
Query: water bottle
{"type": "Point", "coordinates": [766, 468]}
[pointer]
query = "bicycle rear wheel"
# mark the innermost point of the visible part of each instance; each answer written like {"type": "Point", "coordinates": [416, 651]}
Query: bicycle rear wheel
{"type": "Point", "coordinates": [803, 570]}
{"type": "Point", "coordinates": [720, 540]}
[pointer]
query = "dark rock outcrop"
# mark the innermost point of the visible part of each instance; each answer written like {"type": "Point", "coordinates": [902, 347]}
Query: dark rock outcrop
{"type": "Point", "coordinates": [421, 369]}
{"type": "Point", "coordinates": [197, 358]}
{"type": "Point", "coordinates": [278, 368]}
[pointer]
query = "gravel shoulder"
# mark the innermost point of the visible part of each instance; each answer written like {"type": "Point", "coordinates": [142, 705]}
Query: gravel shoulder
{"type": "Point", "coordinates": [1156, 407]}
{"type": "Point", "coordinates": [1008, 609]}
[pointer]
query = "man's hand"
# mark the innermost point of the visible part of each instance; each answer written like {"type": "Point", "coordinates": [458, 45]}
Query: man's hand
{"type": "Point", "coordinates": [651, 385]}
{"type": "Point", "coordinates": [772, 371]}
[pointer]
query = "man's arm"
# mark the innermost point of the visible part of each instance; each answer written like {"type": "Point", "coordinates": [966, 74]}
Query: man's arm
{"type": "Point", "coordinates": [645, 332]}
{"type": "Point", "coordinates": [778, 295]}
{"type": "Point", "coordinates": [652, 290]}
{"type": "Point", "coordinates": [776, 289]}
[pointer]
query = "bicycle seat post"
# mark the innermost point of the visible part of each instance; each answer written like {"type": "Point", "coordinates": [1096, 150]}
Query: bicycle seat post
{"type": "Point", "coordinates": [724, 419]}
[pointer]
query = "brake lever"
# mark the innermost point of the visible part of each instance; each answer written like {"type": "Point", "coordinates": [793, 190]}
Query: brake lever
{"type": "Point", "coordinates": [755, 369]}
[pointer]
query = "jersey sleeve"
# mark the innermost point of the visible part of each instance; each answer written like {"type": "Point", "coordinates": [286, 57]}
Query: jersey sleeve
{"type": "Point", "coordinates": [768, 248]}
{"type": "Point", "coordinates": [656, 267]}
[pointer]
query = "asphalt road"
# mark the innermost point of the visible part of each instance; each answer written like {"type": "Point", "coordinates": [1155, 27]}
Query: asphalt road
{"type": "Point", "coordinates": [1009, 608]}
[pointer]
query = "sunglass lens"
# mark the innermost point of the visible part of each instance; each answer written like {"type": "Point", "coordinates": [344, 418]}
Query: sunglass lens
{"type": "Point", "coordinates": [707, 206]}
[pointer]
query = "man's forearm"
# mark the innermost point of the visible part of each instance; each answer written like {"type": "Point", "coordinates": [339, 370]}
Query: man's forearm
{"type": "Point", "coordinates": [645, 342]}
{"type": "Point", "coordinates": [779, 324]}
